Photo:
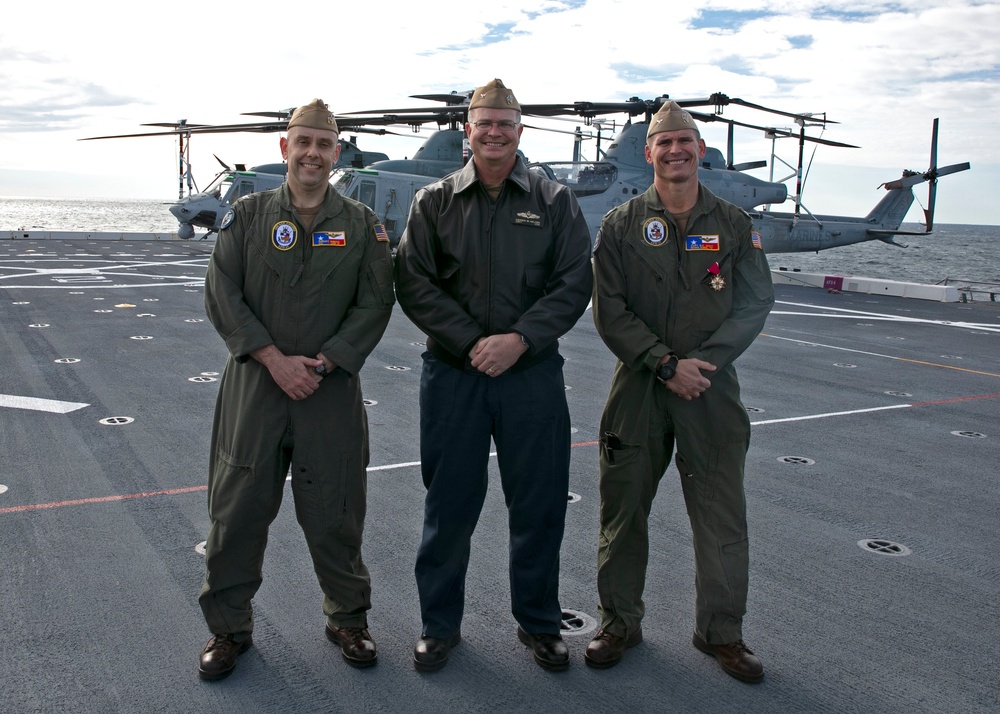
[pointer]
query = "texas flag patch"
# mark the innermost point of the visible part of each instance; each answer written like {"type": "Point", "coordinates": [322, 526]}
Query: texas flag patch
{"type": "Point", "coordinates": [702, 243]}
{"type": "Point", "coordinates": [337, 238]}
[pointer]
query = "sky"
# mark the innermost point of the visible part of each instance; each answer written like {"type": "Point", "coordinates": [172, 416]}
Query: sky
{"type": "Point", "coordinates": [883, 70]}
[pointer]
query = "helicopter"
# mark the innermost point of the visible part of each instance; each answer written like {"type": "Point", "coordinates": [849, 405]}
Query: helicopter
{"type": "Point", "coordinates": [791, 233]}
{"type": "Point", "coordinates": [388, 186]}
{"type": "Point", "coordinates": [623, 173]}
{"type": "Point", "coordinates": [206, 209]}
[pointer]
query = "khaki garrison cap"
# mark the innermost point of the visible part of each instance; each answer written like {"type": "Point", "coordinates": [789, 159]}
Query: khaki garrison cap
{"type": "Point", "coordinates": [671, 117]}
{"type": "Point", "coordinates": [494, 96]}
{"type": "Point", "coordinates": [315, 115]}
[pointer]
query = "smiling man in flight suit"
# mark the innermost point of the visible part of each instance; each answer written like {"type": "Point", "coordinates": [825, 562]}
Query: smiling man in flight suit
{"type": "Point", "coordinates": [300, 288]}
{"type": "Point", "coordinates": [681, 289]}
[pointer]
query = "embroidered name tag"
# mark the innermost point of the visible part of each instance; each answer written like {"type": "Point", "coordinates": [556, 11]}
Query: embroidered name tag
{"type": "Point", "coordinates": [527, 218]}
{"type": "Point", "coordinates": [337, 238]}
{"type": "Point", "coordinates": [701, 243]}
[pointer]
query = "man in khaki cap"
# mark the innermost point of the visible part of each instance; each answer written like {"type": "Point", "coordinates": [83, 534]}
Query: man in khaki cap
{"type": "Point", "coordinates": [681, 289]}
{"type": "Point", "coordinates": [494, 266]}
{"type": "Point", "coordinates": [290, 393]}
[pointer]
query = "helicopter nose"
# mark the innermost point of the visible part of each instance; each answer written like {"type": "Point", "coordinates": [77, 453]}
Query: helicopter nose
{"type": "Point", "coordinates": [181, 211]}
{"type": "Point", "coordinates": [198, 210]}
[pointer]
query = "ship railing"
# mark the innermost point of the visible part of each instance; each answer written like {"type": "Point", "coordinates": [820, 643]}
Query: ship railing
{"type": "Point", "coordinates": [968, 290]}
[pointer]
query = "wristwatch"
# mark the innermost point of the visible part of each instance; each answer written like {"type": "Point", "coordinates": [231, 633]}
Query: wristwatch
{"type": "Point", "coordinates": [667, 370]}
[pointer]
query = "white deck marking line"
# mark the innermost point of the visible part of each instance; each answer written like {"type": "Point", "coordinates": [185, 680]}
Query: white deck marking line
{"type": "Point", "coordinates": [40, 405]}
{"type": "Point", "coordinates": [878, 315]}
{"type": "Point", "coordinates": [830, 414]}
{"type": "Point", "coordinates": [878, 354]}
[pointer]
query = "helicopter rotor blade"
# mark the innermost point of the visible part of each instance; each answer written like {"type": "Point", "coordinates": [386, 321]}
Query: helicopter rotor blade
{"type": "Point", "coordinates": [285, 114]}
{"type": "Point", "coordinates": [800, 117]}
{"type": "Point", "coordinates": [952, 169]}
{"type": "Point", "coordinates": [224, 164]}
{"type": "Point", "coordinates": [747, 165]}
{"type": "Point", "coordinates": [931, 175]}
{"type": "Point", "coordinates": [934, 142]}
{"type": "Point", "coordinates": [453, 98]}
{"type": "Point", "coordinates": [770, 131]}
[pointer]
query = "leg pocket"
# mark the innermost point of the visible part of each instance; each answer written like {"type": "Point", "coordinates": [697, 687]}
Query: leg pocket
{"type": "Point", "coordinates": [230, 484]}
{"type": "Point", "coordinates": [332, 500]}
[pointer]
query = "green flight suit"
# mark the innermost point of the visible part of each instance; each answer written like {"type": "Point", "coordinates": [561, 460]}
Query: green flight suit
{"type": "Point", "coordinates": [330, 291]}
{"type": "Point", "coordinates": [703, 296]}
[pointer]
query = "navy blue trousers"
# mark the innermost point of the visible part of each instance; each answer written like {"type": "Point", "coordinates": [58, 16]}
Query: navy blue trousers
{"type": "Point", "coordinates": [525, 413]}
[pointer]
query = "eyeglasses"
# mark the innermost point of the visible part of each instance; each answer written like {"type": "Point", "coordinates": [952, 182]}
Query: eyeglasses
{"type": "Point", "coordinates": [485, 125]}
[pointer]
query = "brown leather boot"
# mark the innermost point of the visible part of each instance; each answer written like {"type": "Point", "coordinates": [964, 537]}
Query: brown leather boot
{"type": "Point", "coordinates": [607, 648]}
{"type": "Point", "coordinates": [735, 658]}
{"type": "Point", "coordinates": [218, 659]}
{"type": "Point", "coordinates": [356, 645]}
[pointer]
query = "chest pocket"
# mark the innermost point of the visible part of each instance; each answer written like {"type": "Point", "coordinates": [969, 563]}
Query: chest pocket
{"type": "Point", "coordinates": [649, 274]}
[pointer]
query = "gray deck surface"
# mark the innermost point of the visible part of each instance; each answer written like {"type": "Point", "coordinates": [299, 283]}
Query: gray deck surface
{"type": "Point", "coordinates": [889, 407]}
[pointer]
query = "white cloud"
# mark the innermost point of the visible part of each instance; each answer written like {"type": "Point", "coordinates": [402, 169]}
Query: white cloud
{"type": "Point", "coordinates": [884, 70]}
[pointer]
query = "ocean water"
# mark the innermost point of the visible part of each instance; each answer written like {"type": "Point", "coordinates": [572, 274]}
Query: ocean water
{"type": "Point", "coordinates": [962, 253]}
{"type": "Point", "coordinates": [85, 214]}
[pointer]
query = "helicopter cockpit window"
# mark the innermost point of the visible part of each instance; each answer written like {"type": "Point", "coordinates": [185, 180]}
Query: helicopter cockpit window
{"type": "Point", "coordinates": [219, 188]}
{"type": "Point", "coordinates": [585, 178]}
{"type": "Point", "coordinates": [363, 191]}
{"type": "Point", "coordinates": [366, 194]}
{"type": "Point", "coordinates": [245, 188]}
{"type": "Point", "coordinates": [341, 180]}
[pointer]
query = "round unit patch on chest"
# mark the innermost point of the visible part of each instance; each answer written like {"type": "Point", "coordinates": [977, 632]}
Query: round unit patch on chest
{"type": "Point", "coordinates": [654, 232]}
{"type": "Point", "coordinates": [283, 235]}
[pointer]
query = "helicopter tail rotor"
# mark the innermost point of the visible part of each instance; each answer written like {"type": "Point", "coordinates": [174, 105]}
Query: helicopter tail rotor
{"type": "Point", "coordinates": [912, 178]}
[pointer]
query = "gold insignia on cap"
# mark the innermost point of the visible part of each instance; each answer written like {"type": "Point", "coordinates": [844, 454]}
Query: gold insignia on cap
{"type": "Point", "coordinates": [671, 117]}
{"type": "Point", "coordinates": [494, 95]}
{"type": "Point", "coordinates": [315, 115]}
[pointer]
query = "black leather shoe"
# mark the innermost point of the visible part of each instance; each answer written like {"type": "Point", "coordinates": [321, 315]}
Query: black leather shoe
{"type": "Point", "coordinates": [356, 645]}
{"type": "Point", "coordinates": [735, 658]}
{"type": "Point", "coordinates": [606, 649]}
{"type": "Point", "coordinates": [218, 659]}
{"type": "Point", "coordinates": [550, 651]}
{"type": "Point", "coordinates": [431, 653]}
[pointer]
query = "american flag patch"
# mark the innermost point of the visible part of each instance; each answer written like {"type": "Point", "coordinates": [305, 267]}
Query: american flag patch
{"type": "Point", "coordinates": [755, 239]}
{"type": "Point", "coordinates": [380, 234]}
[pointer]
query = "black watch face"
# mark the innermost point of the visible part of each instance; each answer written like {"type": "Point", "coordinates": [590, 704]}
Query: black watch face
{"type": "Point", "coordinates": [665, 371]}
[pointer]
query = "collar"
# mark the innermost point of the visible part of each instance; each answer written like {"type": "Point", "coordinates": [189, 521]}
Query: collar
{"type": "Point", "coordinates": [331, 206]}
{"type": "Point", "coordinates": [704, 204]}
{"type": "Point", "coordinates": [466, 177]}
